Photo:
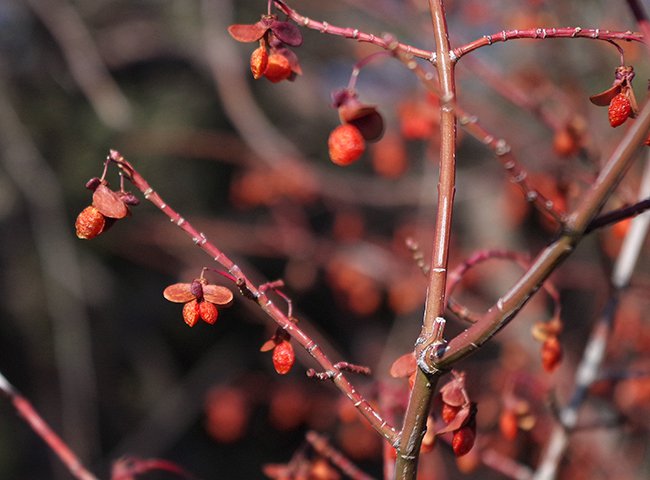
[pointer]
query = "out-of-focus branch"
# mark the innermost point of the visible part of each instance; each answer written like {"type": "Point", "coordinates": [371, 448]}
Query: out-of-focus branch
{"type": "Point", "coordinates": [594, 353]}
{"type": "Point", "coordinates": [85, 63]}
{"type": "Point", "coordinates": [63, 287]}
{"type": "Point", "coordinates": [323, 447]}
{"type": "Point", "coordinates": [641, 18]}
{"type": "Point", "coordinates": [43, 430]}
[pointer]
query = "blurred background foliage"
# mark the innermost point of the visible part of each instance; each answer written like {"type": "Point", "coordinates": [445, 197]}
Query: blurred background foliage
{"type": "Point", "coordinates": [85, 332]}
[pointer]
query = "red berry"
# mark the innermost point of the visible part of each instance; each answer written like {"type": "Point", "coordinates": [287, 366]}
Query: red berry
{"type": "Point", "coordinates": [463, 440]}
{"type": "Point", "coordinates": [191, 313]}
{"type": "Point", "coordinates": [346, 144]}
{"type": "Point", "coordinates": [278, 68]}
{"type": "Point", "coordinates": [90, 223]}
{"type": "Point", "coordinates": [283, 357]}
{"type": "Point", "coordinates": [551, 353]}
{"type": "Point", "coordinates": [620, 109]}
{"type": "Point", "coordinates": [259, 61]}
{"type": "Point", "coordinates": [449, 412]}
{"type": "Point", "coordinates": [208, 312]}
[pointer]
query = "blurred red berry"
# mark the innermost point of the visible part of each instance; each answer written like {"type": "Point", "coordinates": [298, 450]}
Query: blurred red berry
{"type": "Point", "coordinates": [551, 353]}
{"type": "Point", "coordinates": [508, 424]}
{"type": "Point", "coordinates": [346, 144]}
{"type": "Point", "coordinates": [227, 411]}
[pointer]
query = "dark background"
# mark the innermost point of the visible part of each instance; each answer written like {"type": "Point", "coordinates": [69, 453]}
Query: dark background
{"type": "Point", "coordinates": [85, 333]}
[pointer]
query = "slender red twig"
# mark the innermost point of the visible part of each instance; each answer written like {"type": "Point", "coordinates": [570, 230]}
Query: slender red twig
{"type": "Point", "coordinates": [250, 290]}
{"type": "Point", "coordinates": [548, 32]}
{"type": "Point", "coordinates": [457, 274]}
{"type": "Point", "coordinates": [457, 53]}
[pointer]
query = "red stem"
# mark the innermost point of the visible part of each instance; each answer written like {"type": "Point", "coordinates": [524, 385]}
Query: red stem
{"type": "Point", "coordinates": [251, 291]}
{"type": "Point", "coordinates": [544, 33]}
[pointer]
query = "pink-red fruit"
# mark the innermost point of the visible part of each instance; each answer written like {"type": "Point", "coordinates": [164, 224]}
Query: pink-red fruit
{"type": "Point", "coordinates": [463, 440]}
{"type": "Point", "coordinates": [283, 357]}
{"type": "Point", "coordinates": [259, 61]}
{"type": "Point", "coordinates": [278, 68]}
{"type": "Point", "coordinates": [90, 223]}
{"type": "Point", "coordinates": [346, 144]}
{"type": "Point", "coordinates": [619, 110]}
{"type": "Point", "coordinates": [208, 312]}
{"type": "Point", "coordinates": [191, 313]}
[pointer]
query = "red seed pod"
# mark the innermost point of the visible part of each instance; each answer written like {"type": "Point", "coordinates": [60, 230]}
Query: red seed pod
{"type": "Point", "coordinates": [208, 312]}
{"type": "Point", "coordinates": [109, 202]}
{"type": "Point", "coordinates": [346, 144]}
{"type": "Point", "coordinates": [365, 117]}
{"type": "Point", "coordinates": [191, 312]}
{"type": "Point", "coordinates": [449, 412]}
{"type": "Point", "coordinates": [90, 223]}
{"type": "Point", "coordinates": [454, 392]}
{"type": "Point", "coordinates": [551, 353]}
{"type": "Point", "coordinates": [619, 110]}
{"type": "Point", "coordinates": [283, 357]}
{"type": "Point", "coordinates": [463, 440]}
{"type": "Point", "coordinates": [259, 61]}
{"type": "Point", "coordinates": [278, 68]}
{"type": "Point", "coordinates": [184, 292]}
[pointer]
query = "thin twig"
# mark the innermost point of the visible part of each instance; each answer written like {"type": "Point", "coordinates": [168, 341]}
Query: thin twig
{"type": "Point", "coordinates": [615, 216]}
{"type": "Point", "coordinates": [250, 290]}
{"type": "Point", "coordinates": [457, 274]}
{"type": "Point", "coordinates": [499, 146]}
{"type": "Point", "coordinates": [544, 33]}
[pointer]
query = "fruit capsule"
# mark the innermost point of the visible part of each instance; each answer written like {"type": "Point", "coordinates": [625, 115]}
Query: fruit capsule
{"type": "Point", "coordinates": [346, 144]}
{"type": "Point", "coordinates": [90, 223]}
